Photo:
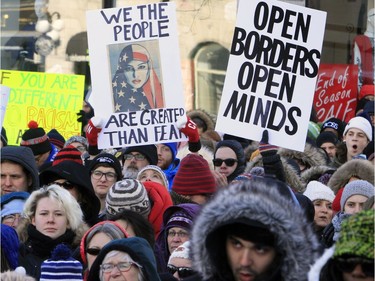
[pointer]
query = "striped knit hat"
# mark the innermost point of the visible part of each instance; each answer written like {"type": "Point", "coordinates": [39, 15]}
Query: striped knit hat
{"type": "Point", "coordinates": [68, 153]}
{"type": "Point", "coordinates": [35, 138]}
{"type": "Point", "coordinates": [61, 266]}
{"type": "Point", "coordinates": [128, 194]}
{"type": "Point", "coordinates": [194, 177]}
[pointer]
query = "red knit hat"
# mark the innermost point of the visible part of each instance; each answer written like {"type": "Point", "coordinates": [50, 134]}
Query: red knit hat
{"type": "Point", "coordinates": [336, 202]}
{"type": "Point", "coordinates": [68, 153]}
{"type": "Point", "coordinates": [36, 139]}
{"type": "Point", "coordinates": [194, 177]}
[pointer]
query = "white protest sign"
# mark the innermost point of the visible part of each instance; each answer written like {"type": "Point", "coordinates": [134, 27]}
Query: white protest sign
{"type": "Point", "coordinates": [5, 92]}
{"type": "Point", "coordinates": [272, 71]}
{"type": "Point", "coordinates": [135, 67]}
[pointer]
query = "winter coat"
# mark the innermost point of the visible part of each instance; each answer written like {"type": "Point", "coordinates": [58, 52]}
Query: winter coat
{"type": "Point", "coordinates": [257, 200]}
{"type": "Point", "coordinates": [171, 171]}
{"type": "Point", "coordinates": [161, 246]}
{"type": "Point", "coordinates": [138, 249]}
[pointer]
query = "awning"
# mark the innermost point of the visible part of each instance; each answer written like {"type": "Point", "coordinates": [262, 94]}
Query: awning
{"type": "Point", "coordinates": [77, 49]}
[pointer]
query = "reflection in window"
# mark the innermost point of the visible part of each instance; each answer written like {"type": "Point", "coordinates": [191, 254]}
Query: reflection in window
{"type": "Point", "coordinates": [210, 64]}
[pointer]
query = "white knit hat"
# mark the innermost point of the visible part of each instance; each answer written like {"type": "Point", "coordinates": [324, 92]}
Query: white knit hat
{"type": "Point", "coordinates": [361, 123]}
{"type": "Point", "coordinates": [315, 190]}
{"type": "Point", "coordinates": [181, 251]}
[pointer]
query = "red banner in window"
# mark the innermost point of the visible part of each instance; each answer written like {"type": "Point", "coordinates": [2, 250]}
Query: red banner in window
{"type": "Point", "coordinates": [336, 91]}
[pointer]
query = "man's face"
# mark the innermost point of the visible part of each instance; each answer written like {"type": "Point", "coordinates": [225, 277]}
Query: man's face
{"type": "Point", "coordinates": [164, 156]}
{"type": "Point", "coordinates": [248, 260]}
{"type": "Point", "coordinates": [330, 148]}
{"type": "Point", "coordinates": [132, 165]}
{"type": "Point", "coordinates": [356, 141]}
{"type": "Point", "coordinates": [13, 178]}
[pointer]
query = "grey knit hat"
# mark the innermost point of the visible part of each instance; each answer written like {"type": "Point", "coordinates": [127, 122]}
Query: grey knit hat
{"type": "Point", "coordinates": [128, 194]}
{"type": "Point", "coordinates": [157, 170]}
{"type": "Point", "coordinates": [79, 139]}
{"type": "Point", "coordinates": [357, 187]}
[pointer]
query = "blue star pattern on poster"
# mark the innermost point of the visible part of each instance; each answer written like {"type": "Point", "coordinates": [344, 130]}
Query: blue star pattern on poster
{"type": "Point", "coordinates": [135, 85]}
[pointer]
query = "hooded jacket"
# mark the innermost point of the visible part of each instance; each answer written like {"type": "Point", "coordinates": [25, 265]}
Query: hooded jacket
{"type": "Point", "coordinates": [23, 156]}
{"type": "Point", "coordinates": [161, 247]}
{"type": "Point", "coordinates": [137, 248]}
{"type": "Point", "coordinates": [79, 176]}
{"type": "Point", "coordinates": [256, 200]}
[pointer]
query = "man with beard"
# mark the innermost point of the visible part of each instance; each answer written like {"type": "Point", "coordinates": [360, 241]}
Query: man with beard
{"type": "Point", "coordinates": [137, 157]}
{"type": "Point", "coordinates": [253, 230]}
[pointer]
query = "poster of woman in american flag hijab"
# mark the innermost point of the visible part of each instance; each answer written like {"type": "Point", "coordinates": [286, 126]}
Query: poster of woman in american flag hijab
{"type": "Point", "coordinates": [136, 78]}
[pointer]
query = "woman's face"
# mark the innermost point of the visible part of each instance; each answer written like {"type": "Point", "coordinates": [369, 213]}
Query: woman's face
{"type": "Point", "coordinates": [50, 218]}
{"type": "Point", "coordinates": [354, 204]}
{"type": "Point", "coordinates": [323, 212]}
{"type": "Point", "coordinates": [97, 242]}
{"type": "Point", "coordinates": [137, 73]}
{"type": "Point", "coordinates": [225, 153]}
{"type": "Point", "coordinates": [151, 175]}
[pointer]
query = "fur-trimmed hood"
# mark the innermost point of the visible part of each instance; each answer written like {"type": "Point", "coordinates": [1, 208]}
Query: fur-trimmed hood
{"type": "Point", "coordinates": [359, 168]}
{"type": "Point", "coordinates": [314, 173]}
{"type": "Point", "coordinates": [204, 116]}
{"type": "Point", "coordinates": [257, 200]}
{"type": "Point", "coordinates": [311, 156]}
{"type": "Point", "coordinates": [291, 176]}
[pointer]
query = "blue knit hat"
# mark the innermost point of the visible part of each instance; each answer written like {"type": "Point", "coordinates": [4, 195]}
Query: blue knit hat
{"type": "Point", "coordinates": [12, 203]}
{"type": "Point", "coordinates": [357, 187]}
{"type": "Point", "coordinates": [61, 266]}
{"type": "Point", "coordinates": [173, 147]}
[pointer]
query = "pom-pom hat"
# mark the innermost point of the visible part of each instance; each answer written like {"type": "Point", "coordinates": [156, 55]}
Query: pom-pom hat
{"type": "Point", "coordinates": [36, 139]}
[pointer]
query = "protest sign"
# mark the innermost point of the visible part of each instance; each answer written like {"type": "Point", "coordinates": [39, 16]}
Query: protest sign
{"type": "Point", "coordinates": [134, 59]}
{"type": "Point", "coordinates": [336, 91]}
{"type": "Point", "coordinates": [52, 100]}
{"type": "Point", "coordinates": [272, 70]}
{"type": "Point", "coordinates": [5, 91]}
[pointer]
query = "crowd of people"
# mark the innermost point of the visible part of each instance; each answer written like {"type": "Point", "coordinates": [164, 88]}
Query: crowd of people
{"type": "Point", "coordinates": [218, 207]}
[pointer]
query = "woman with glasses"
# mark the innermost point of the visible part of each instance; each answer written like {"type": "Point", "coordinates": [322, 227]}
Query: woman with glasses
{"type": "Point", "coordinates": [96, 238]}
{"type": "Point", "coordinates": [75, 178]}
{"type": "Point", "coordinates": [130, 259]}
{"type": "Point", "coordinates": [51, 217]}
{"type": "Point", "coordinates": [177, 222]}
{"type": "Point", "coordinates": [229, 161]}
{"type": "Point", "coordinates": [105, 170]}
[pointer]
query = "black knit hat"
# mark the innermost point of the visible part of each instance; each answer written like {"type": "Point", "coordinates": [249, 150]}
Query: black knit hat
{"type": "Point", "coordinates": [107, 159]}
{"type": "Point", "coordinates": [326, 137]}
{"type": "Point", "coordinates": [149, 151]}
{"type": "Point", "coordinates": [56, 138]}
{"type": "Point", "coordinates": [36, 139]}
{"type": "Point", "coordinates": [336, 124]}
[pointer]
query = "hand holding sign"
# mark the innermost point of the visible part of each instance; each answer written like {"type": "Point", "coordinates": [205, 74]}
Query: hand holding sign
{"type": "Point", "coordinates": [92, 131]}
{"type": "Point", "coordinates": [190, 129]}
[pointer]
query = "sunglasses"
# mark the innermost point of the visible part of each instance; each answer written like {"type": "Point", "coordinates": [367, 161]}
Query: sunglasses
{"type": "Point", "coordinates": [228, 162]}
{"type": "Point", "coordinates": [67, 185]}
{"type": "Point", "coordinates": [347, 265]}
{"type": "Point", "coordinates": [93, 251]}
{"type": "Point", "coordinates": [182, 271]}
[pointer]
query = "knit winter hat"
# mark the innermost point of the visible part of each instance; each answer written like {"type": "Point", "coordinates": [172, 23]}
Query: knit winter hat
{"type": "Point", "coordinates": [80, 139]}
{"type": "Point", "coordinates": [68, 153]}
{"type": "Point", "coordinates": [334, 123]}
{"type": "Point", "coordinates": [156, 169]}
{"type": "Point", "coordinates": [326, 137]}
{"type": "Point", "coordinates": [181, 251]}
{"type": "Point", "coordinates": [361, 123]}
{"type": "Point", "coordinates": [317, 191]}
{"type": "Point", "coordinates": [61, 266]}
{"type": "Point", "coordinates": [35, 138]}
{"type": "Point", "coordinates": [12, 203]}
{"type": "Point", "coordinates": [56, 138]}
{"type": "Point", "coordinates": [104, 159]}
{"type": "Point", "coordinates": [356, 187]}
{"type": "Point", "coordinates": [179, 219]}
{"type": "Point", "coordinates": [173, 147]}
{"type": "Point", "coordinates": [194, 176]}
{"type": "Point", "coordinates": [149, 151]}
{"type": "Point", "coordinates": [128, 194]}
{"type": "Point", "coordinates": [357, 236]}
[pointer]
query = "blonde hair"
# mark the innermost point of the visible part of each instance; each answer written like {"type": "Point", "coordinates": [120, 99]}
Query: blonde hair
{"type": "Point", "coordinates": [72, 209]}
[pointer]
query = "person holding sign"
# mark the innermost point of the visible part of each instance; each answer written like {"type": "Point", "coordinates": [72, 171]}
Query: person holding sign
{"type": "Point", "coordinates": [135, 83]}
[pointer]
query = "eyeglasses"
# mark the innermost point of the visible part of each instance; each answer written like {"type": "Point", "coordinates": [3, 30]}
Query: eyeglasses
{"type": "Point", "coordinates": [122, 266]}
{"type": "Point", "coordinates": [67, 185]}
{"type": "Point", "coordinates": [109, 176]}
{"type": "Point", "coordinates": [180, 234]}
{"type": "Point", "coordinates": [93, 251]}
{"type": "Point", "coordinates": [10, 219]}
{"type": "Point", "coordinates": [229, 162]}
{"type": "Point", "coordinates": [138, 157]}
{"type": "Point", "coordinates": [348, 265]}
{"type": "Point", "coordinates": [182, 271]}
